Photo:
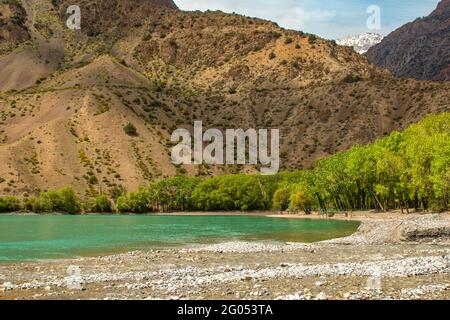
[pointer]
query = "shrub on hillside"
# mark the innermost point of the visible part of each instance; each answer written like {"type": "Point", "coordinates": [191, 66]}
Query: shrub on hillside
{"type": "Point", "coordinates": [352, 78]}
{"type": "Point", "coordinates": [312, 39]}
{"type": "Point", "coordinates": [288, 40]}
{"type": "Point", "coordinates": [130, 129]}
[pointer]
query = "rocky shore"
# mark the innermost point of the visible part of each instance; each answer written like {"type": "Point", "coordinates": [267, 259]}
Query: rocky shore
{"type": "Point", "coordinates": [402, 257]}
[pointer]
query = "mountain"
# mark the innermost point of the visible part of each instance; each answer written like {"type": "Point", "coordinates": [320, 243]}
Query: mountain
{"type": "Point", "coordinates": [420, 49]}
{"type": "Point", "coordinates": [362, 42]}
{"type": "Point", "coordinates": [12, 24]}
{"type": "Point", "coordinates": [66, 95]}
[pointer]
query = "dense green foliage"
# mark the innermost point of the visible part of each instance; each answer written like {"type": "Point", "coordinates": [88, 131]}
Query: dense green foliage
{"type": "Point", "coordinates": [235, 192]}
{"type": "Point", "coordinates": [64, 200]}
{"type": "Point", "coordinates": [404, 170]}
{"type": "Point", "coordinates": [9, 204]}
{"type": "Point", "coordinates": [281, 198]}
{"type": "Point", "coordinates": [99, 204]}
{"type": "Point", "coordinates": [136, 202]}
{"type": "Point", "coordinates": [173, 194]}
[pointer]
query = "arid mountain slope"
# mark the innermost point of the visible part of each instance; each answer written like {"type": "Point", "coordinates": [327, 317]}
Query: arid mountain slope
{"type": "Point", "coordinates": [68, 94]}
{"type": "Point", "coordinates": [420, 49]}
{"type": "Point", "coordinates": [12, 24]}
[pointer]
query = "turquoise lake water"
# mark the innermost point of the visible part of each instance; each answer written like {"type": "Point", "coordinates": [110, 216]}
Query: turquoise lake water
{"type": "Point", "coordinates": [27, 238]}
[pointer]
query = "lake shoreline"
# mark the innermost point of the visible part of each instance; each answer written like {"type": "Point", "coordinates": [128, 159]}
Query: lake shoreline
{"type": "Point", "coordinates": [346, 216]}
{"type": "Point", "coordinates": [411, 252]}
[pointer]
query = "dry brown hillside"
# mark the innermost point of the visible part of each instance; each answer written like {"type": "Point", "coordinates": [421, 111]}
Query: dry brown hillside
{"type": "Point", "coordinates": [66, 95]}
{"type": "Point", "coordinates": [12, 24]}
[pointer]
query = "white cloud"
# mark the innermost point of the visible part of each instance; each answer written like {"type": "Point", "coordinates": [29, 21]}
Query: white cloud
{"type": "Point", "coordinates": [299, 18]}
{"type": "Point", "coordinates": [202, 5]}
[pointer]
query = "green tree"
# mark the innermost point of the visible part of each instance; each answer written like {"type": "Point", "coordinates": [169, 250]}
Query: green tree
{"type": "Point", "coordinates": [301, 199]}
{"type": "Point", "coordinates": [69, 201]}
{"type": "Point", "coordinates": [9, 204]}
{"type": "Point", "coordinates": [174, 193]}
{"type": "Point", "coordinates": [281, 198]}
{"type": "Point", "coordinates": [64, 201]}
{"type": "Point", "coordinates": [135, 202]}
{"type": "Point", "coordinates": [100, 204]}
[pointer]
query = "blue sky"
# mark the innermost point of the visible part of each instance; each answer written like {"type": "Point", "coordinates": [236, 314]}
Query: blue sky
{"type": "Point", "coordinates": [332, 19]}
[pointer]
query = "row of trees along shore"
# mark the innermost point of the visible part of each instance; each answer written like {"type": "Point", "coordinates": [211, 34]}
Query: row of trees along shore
{"type": "Point", "coordinates": [405, 170]}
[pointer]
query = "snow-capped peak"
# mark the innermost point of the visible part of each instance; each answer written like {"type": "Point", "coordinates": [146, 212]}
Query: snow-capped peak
{"type": "Point", "coordinates": [361, 43]}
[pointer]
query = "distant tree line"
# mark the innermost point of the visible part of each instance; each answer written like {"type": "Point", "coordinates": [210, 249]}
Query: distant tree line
{"type": "Point", "coordinates": [405, 170]}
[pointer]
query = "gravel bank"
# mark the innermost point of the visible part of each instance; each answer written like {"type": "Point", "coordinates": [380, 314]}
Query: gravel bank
{"type": "Point", "coordinates": [418, 228]}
